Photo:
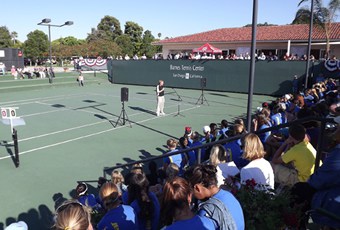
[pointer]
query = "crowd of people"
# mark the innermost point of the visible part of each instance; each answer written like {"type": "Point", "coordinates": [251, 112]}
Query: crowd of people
{"type": "Point", "coordinates": [182, 193]}
{"type": "Point", "coordinates": [261, 56]}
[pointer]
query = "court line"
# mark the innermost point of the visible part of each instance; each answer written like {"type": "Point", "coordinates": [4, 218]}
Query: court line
{"type": "Point", "coordinates": [73, 128]}
{"type": "Point", "coordinates": [90, 135]}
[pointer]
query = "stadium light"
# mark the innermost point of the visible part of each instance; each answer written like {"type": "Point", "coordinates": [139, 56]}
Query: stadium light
{"type": "Point", "coordinates": [46, 22]}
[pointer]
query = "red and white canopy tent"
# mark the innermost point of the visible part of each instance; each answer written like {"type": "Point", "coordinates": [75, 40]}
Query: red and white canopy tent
{"type": "Point", "coordinates": [207, 48]}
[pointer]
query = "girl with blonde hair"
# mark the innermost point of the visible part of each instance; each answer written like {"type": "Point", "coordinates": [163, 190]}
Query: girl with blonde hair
{"type": "Point", "coordinates": [118, 216]}
{"type": "Point", "coordinates": [258, 168]}
{"type": "Point", "coordinates": [223, 161]}
{"type": "Point", "coordinates": [72, 215]}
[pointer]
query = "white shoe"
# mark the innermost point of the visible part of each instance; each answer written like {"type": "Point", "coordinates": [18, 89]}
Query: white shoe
{"type": "Point", "coordinates": [157, 114]}
{"type": "Point", "coordinates": [163, 114]}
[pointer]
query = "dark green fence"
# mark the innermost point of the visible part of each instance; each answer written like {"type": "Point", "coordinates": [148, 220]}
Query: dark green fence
{"type": "Point", "coordinates": [271, 78]}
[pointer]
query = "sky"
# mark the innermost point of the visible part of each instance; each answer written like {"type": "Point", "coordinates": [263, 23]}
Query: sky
{"type": "Point", "coordinates": [171, 18]}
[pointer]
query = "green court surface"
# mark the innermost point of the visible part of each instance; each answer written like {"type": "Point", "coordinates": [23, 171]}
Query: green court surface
{"type": "Point", "coordinates": [71, 134]}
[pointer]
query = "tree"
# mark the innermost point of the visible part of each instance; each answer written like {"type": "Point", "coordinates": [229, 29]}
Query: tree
{"type": "Point", "coordinates": [261, 24]}
{"type": "Point", "coordinates": [5, 38]}
{"type": "Point", "coordinates": [36, 44]}
{"type": "Point", "coordinates": [68, 41]}
{"type": "Point", "coordinates": [159, 35]}
{"type": "Point", "coordinates": [146, 47]}
{"type": "Point", "coordinates": [323, 17]}
{"type": "Point", "coordinates": [111, 26]}
{"type": "Point", "coordinates": [97, 35]}
{"type": "Point", "coordinates": [133, 30]}
{"type": "Point", "coordinates": [125, 43]}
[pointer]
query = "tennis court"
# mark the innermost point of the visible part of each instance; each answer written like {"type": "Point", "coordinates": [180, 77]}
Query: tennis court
{"type": "Point", "coordinates": [71, 134]}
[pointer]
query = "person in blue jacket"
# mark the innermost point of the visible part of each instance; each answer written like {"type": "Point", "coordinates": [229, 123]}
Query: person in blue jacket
{"type": "Point", "coordinates": [118, 216]}
{"type": "Point", "coordinates": [176, 212]}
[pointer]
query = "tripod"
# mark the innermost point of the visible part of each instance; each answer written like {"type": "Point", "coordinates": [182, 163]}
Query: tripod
{"type": "Point", "coordinates": [123, 115]}
{"type": "Point", "coordinates": [202, 98]}
{"type": "Point", "coordinates": [178, 105]}
{"type": "Point", "coordinates": [179, 96]}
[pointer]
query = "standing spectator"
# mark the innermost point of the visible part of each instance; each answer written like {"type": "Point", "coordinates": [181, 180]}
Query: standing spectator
{"type": "Point", "coordinates": [80, 79]}
{"type": "Point", "coordinates": [14, 72]}
{"type": "Point", "coordinates": [2, 68]}
{"type": "Point", "coordinates": [176, 212]}
{"type": "Point", "coordinates": [117, 216]}
{"type": "Point", "coordinates": [160, 98]}
{"type": "Point", "coordinates": [261, 57]}
{"type": "Point", "coordinates": [258, 169]}
{"type": "Point", "coordinates": [72, 215]}
{"type": "Point", "coordinates": [217, 204]}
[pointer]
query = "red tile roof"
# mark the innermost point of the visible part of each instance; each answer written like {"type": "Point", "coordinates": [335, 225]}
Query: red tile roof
{"type": "Point", "coordinates": [298, 32]}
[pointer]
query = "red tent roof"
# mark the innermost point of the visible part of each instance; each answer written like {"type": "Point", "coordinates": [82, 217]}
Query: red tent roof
{"type": "Point", "coordinates": [207, 48]}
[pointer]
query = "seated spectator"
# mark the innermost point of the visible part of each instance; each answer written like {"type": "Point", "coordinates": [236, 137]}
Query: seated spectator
{"type": "Point", "coordinates": [207, 138]}
{"type": "Point", "coordinates": [214, 131]}
{"type": "Point", "coordinates": [189, 158]}
{"type": "Point", "coordinates": [188, 134]}
{"type": "Point", "coordinates": [153, 173]}
{"type": "Point", "coordinates": [72, 215]}
{"type": "Point", "coordinates": [223, 162]}
{"type": "Point", "coordinates": [137, 168]}
{"type": "Point", "coordinates": [144, 203]}
{"type": "Point", "coordinates": [85, 198]}
{"type": "Point", "coordinates": [217, 204]}
{"type": "Point", "coordinates": [224, 127]}
{"type": "Point", "coordinates": [172, 171]}
{"type": "Point", "coordinates": [298, 151]}
{"type": "Point", "coordinates": [260, 122]}
{"type": "Point", "coordinates": [118, 179]}
{"type": "Point", "coordinates": [234, 147]}
{"type": "Point", "coordinates": [177, 158]}
{"type": "Point", "coordinates": [118, 216]}
{"type": "Point", "coordinates": [196, 142]}
{"type": "Point", "coordinates": [258, 169]}
{"type": "Point", "coordinates": [175, 207]}
{"type": "Point", "coordinates": [326, 183]}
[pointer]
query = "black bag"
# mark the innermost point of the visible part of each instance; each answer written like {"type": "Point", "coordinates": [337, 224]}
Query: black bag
{"type": "Point", "coordinates": [77, 79]}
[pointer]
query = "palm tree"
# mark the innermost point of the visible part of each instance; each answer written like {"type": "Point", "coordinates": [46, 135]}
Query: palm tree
{"type": "Point", "coordinates": [322, 16]}
{"type": "Point", "coordinates": [14, 35]}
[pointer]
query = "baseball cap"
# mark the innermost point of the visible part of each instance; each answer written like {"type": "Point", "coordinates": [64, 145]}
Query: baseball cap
{"type": "Point", "coordinates": [206, 129]}
{"type": "Point", "coordinates": [21, 225]}
{"type": "Point", "coordinates": [287, 96]}
{"type": "Point", "coordinates": [188, 130]}
{"type": "Point", "coordinates": [265, 104]}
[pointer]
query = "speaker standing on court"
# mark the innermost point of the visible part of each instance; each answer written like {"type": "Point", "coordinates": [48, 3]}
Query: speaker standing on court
{"type": "Point", "coordinates": [160, 98]}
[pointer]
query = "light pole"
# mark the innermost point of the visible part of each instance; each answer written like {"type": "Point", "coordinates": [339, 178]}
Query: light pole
{"type": "Point", "coordinates": [46, 22]}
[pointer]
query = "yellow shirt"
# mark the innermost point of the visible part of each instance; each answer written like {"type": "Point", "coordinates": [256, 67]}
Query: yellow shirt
{"type": "Point", "coordinates": [302, 155]}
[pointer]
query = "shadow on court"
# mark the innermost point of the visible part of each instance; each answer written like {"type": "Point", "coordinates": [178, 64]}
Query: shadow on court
{"type": "Point", "coordinates": [142, 110]}
{"type": "Point", "coordinates": [41, 218]}
{"type": "Point", "coordinates": [9, 150]}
